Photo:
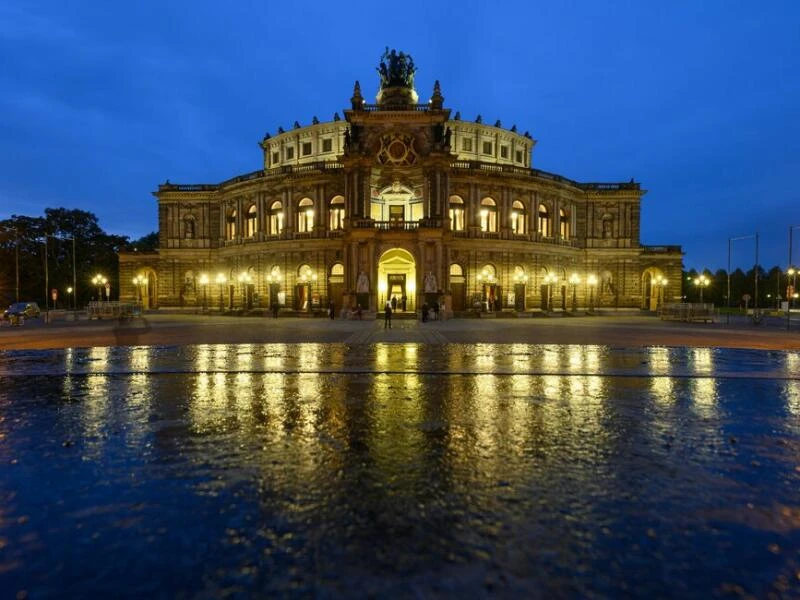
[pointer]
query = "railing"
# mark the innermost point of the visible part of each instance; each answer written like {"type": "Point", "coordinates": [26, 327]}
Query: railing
{"type": "Point", "coordinates": [396, 225]}
{"type": "Point", "coordinates": [474, 165]}
{"type": "Point", "coordinates": [395, 107]}
{"type": "Point", "coordinates": [660, 249]}
{"type": "Point", "coordinates": [113, 310]}
{"type": "Point", "coordinates": [689, 312]}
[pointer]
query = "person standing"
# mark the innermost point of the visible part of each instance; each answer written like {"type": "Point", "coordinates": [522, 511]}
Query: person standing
{"type": "Point", "coordinates": [387, 315]}
{"type": "Point", "coordinates": [274, 310]}
{"type": "Point", "coordinates": [331, 310]}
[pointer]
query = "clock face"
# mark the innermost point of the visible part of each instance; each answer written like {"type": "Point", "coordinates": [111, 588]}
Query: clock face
{"type": "Point", "coordinates": [397, 149]}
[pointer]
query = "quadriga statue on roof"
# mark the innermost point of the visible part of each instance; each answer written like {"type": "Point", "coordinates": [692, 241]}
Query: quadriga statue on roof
{"type": "Point", "coordinates": [396, 69]}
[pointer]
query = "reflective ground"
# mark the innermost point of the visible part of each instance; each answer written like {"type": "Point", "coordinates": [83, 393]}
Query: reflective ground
{"type": "Point", "coordinates": [399, 470]}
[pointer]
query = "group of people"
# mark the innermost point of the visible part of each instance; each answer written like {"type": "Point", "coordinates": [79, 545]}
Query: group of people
{"type": "Point", "coordinates": [431, 311]}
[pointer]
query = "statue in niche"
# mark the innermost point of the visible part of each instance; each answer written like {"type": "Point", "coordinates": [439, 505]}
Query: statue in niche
{"type": "Point", "coordinates": [429, 284]}
{"type": "Point", "coordinates": [362, 284]}
{"type": "Point", "coordinates": [607, 233]}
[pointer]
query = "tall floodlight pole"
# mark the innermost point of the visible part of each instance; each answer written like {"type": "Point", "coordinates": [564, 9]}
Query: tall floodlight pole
{"type": "Point", "coordinates": [730, 242]}
{"type": "Point", "coordinates": [46, 277]}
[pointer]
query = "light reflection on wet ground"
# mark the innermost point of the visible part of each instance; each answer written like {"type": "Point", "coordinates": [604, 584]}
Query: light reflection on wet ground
{"type": "Point", "coordinates": [400, 470]}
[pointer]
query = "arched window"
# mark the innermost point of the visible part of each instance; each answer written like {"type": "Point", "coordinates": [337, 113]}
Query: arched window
{"type": "Point", "coordinates": [337, 270]}
{"type": "Point", "coordinates": [519, 218]}
{"type": "Point", "coordinates": [251, 221]}
{"type": "Point", "coordinates": [276, 218]}
{"type": "Point", "coordinates": [305, 215]}
{"type": "Point", "coordinates": [456, 213]}
{"type": "Point", "coordinates": [545, 222]}
{"type": "Point", "coordinates": [336, 212]}
{"type": "Point", "coordinates": [564, 225]}
{"type": "Point", "coordinates": [230, 224]}
{"type": "Point", "coordinates": [456, 273]}
{"type": "Point", "coordinates": [488, 215]}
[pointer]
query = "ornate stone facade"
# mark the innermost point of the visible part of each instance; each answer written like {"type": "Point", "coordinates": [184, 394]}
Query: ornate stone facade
{"type": "Point", "coordinates": [402, 199]}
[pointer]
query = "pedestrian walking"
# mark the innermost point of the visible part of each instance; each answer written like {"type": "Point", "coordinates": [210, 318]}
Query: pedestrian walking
{"type": "Point", "coordinates": [274, 310]}
{"type": "Point", "coordinates": [424, 312]}
{"type": "Point", "coordinates": [387, 315]}
{"type": "Point", "coordinates": [331, 310]}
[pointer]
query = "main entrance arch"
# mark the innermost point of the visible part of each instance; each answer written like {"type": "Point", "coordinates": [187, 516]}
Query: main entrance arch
{"type": "Point", "coordinates": [397, 276]}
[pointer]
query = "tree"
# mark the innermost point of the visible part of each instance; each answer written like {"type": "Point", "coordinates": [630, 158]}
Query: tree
{"type": "Point", "coordinates": [94, 252]}
{"type": "Point", "coordinates": [146, 243]}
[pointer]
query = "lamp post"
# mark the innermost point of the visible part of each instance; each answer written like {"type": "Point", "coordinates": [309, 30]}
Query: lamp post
{"type": "Point", "coordinates": [204, 284]}
{"type": "Point", "coordinates": [99, 281]}
{"type": "Point", "coordinates": [71, 297]}
{"type": "Point", "coordinates": [308, 278]}
{"type": "Point", "coordinates": [702, 282]}
{"type": "Point", "coordinates": [660, 283]}
{"type": "Point", "coordinates": [550, 280]}
{"type": "Point", "coordinates": [520, 283]}
{"type": "Point", "coordinates": [591, 281]}
{"type": "Point", "coordinates": [244, 279]}
{"type": "Point", "coordinates": [139, 281]}
{"type": "Point", "coordinates": [574, 280]}
{"type": "Point", "coordinates": [220, 280]}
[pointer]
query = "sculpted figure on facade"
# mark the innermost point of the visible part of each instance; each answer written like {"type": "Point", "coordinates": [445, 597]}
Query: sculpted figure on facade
{"type": "Point", "coordinates": [362, 285]}
{"type": "Point", "coordinates": [396, 69]}
{"type": "Point", "coordinates": [429, 285]}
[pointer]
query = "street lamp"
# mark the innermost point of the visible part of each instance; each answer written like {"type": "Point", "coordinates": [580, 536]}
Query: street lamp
{"type": "Point", "coordinates": [139, 281]}
{"type": "Point", "coordinates": [702, 282]}
{"type": "Point", "coordinates": [487, 278]}
{"type": "Point", "coordinates": [574, 280]}
{"type": "Point", "coordinates": [660, 283]}
{"type": "Point", "coordinates": [204, 283]}
{"type": "Point", "coordinates": [591, 281]}
{"type": "Point", "coordinates": [71, 298]}
{"type": "Point", "coordinates": [308, 278]}
{"type": "Point", "coordinates": [220, 280]}
{"type": "Point", "coordinates": [520, 283]}
{"type": "Point", "coordinates": [550, 280]}
{"type": "Point", "coordinates": [99, 281]}
{"type": "Point", "coordinates": [244, 279]}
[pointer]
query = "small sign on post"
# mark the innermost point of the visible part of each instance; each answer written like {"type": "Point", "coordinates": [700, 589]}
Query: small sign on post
{"type": "Point", "coordinates": [54, 294]}
{"type": "Point", "coordinates": [108, 291]}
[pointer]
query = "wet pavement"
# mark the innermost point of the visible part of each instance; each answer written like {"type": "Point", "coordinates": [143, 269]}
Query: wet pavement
{"type": "Point", "coordinates": [401, 470]}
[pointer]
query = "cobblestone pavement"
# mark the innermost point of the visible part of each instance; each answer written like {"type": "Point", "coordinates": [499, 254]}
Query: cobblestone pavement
{"type": "Point", "coordinates": [181, 329]}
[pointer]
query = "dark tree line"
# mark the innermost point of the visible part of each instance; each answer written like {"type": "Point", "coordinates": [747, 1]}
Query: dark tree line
{"type": "Point", "coordinates": [772, 286]}
{"type": "Point", "coordinates": [37, 255]}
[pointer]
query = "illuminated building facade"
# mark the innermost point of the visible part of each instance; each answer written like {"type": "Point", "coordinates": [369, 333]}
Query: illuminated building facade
{"type": "Point", "coordinates": [401, 199]}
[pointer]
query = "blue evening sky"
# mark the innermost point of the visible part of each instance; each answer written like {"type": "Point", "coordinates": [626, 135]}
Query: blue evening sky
{"type": "Point", "coordinates": [698, 100]}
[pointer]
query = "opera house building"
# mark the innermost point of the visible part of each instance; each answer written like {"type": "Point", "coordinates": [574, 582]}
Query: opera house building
{"type": "Point", "coordinates": [401, 198]}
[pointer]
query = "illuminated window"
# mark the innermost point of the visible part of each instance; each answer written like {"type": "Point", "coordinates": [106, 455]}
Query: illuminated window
{"type": "Point", "coordinates": [519, 218]}
{"type": "Point", "coordinates": [545, 222]}
{"type": "Point", "coordinates": [456, 213]}
{"type": "Point", "coordinates": [488, 215]}
{"type": "Point", "coordinates": [306, 148]}
{"type": "Point", "coordinates": [276, 218]}
{"type": "Point", "coordinates": [230, 224]}
{"type": "Point", "coordinates": [563, 220]}
{"type": "Point", "coordinates": [251, 222]}
{"type": "Point", "coordinates": [289, 152]}
{"type": "Point", "coordinates": [336, 213]}
{"type": "Point", "coordinates": [327, 145]}
{"type": "Point", "coordinates": [466, 145]}
{"type": "Point", "coordinates": [487, 148]}
{"type": "Point", "coordinates": [305, 215]}
{"type": "Point", "coordinates": [503, 151]}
